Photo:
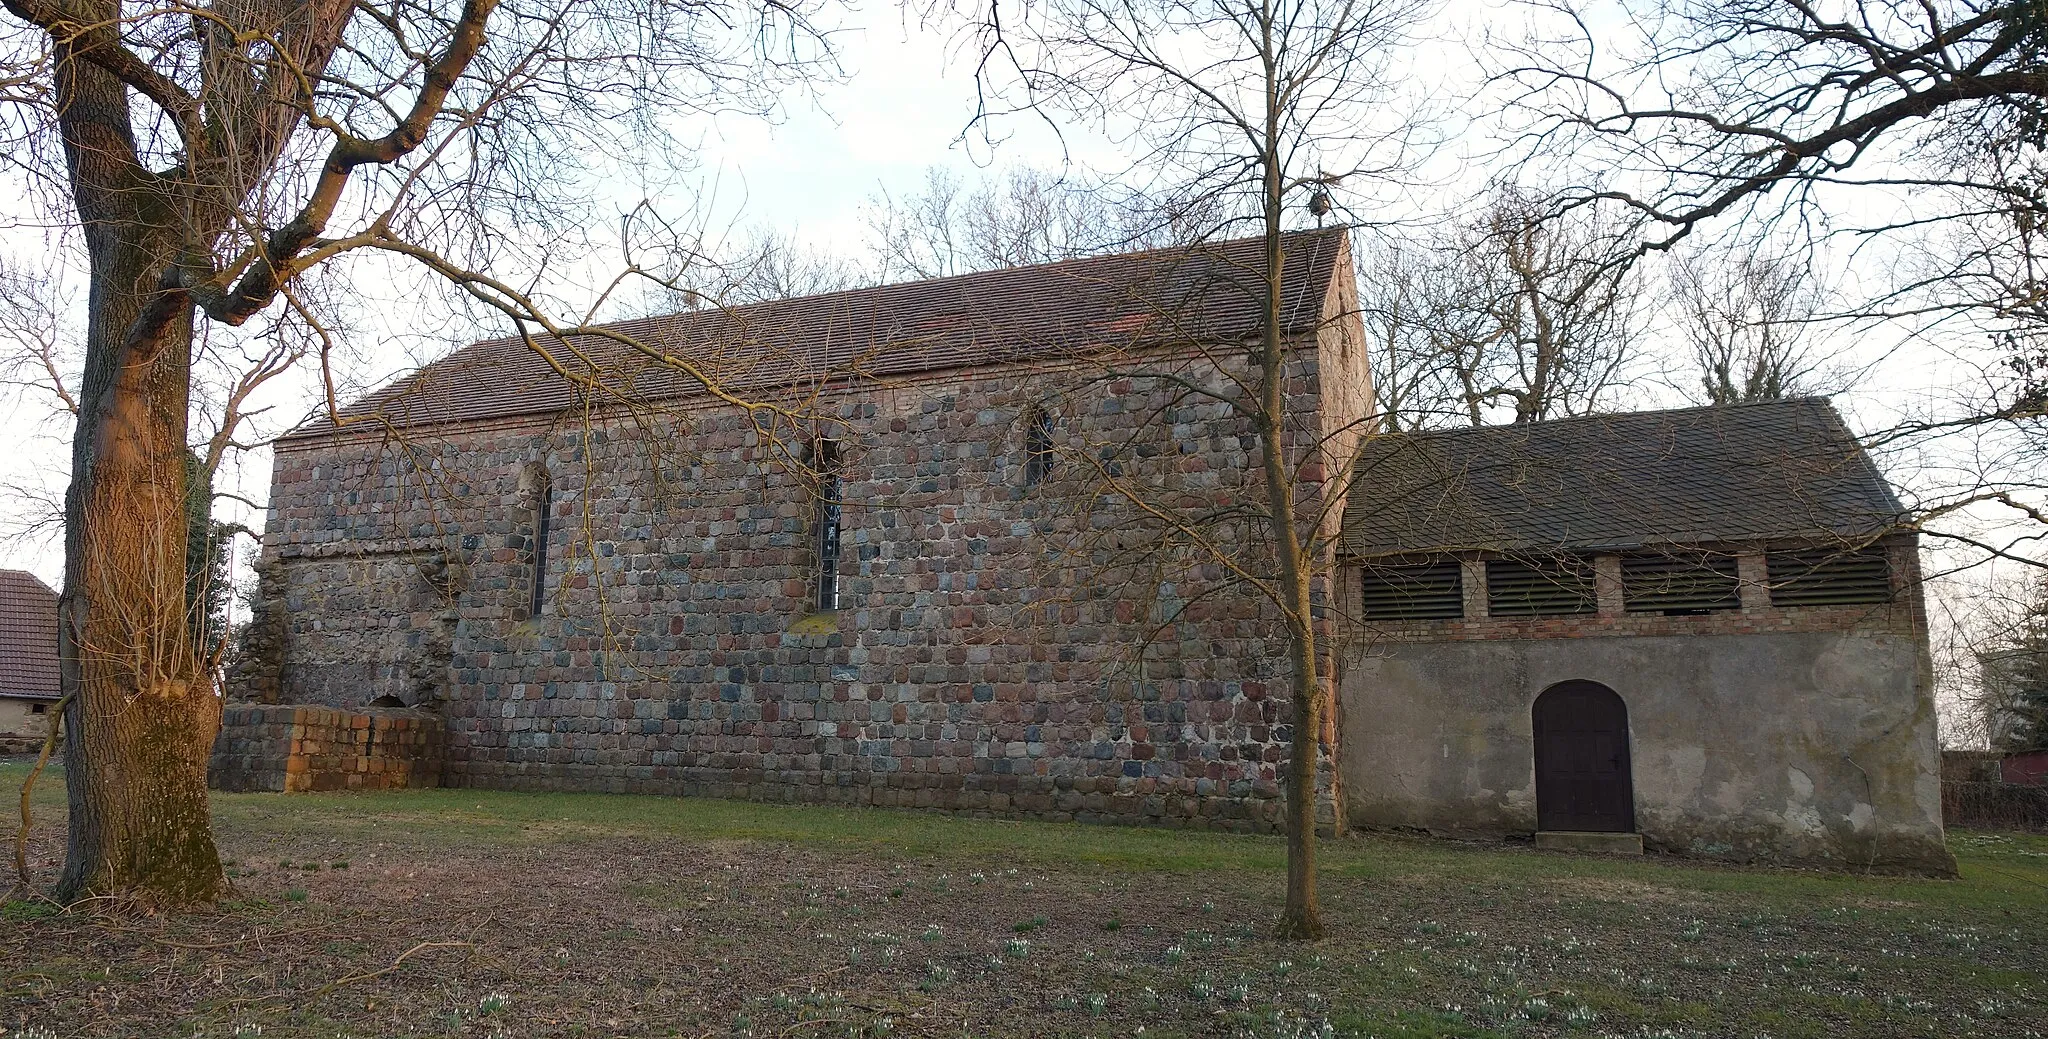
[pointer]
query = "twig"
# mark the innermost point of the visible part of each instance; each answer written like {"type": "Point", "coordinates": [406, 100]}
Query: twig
{"type": "Point", "coordinates": [395, 964]}
{"type": "Point", "coordinates": [365, 976]}
{"type": "Point", "coordinates": [22, 880]}
{"type": "Point", "coordinates": [258, 937]}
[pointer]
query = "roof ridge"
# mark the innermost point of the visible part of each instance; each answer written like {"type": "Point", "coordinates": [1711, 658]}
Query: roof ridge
{"type": "Point", "coordinates": [1199, 291]}
{"type": "Point", "coordinates": [1561, 420]}
{"type": "Point", "coordinates": [1047, 265]}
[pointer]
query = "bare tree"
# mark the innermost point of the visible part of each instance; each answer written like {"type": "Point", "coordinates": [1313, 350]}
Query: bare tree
{"type": "Point", "coordinates": [1911, 133]}
{"type": "Point", "coordinates": [35, 354]}
{"type": "Point", "coordinates": [1763, 109]}
{"type": "Point", "coordinates": [1249, 109]}
{"type": "Point", "coordinates": [215, 158]}
{"type": "Point", "coordinates": [1022, 216]}
{"type": "Point", "coordinates": [1991, 655]}
{"type": "Point", "coordinates": [1404, 304]}
{"type": "Point", "coordinates": [1563, 317]}
{"type": "Point", "coordinates": [38, 363]}
{"type": "Point", "coordinates": [1903, 138]}
{"type": "Point", "coordinates": [778, 266]}
{"type": "Point", "coordinates": [759, 266]}
{"type": "Point", "coordinates": [1751, 324]}
{"type": "Point", "coordinates": [950, 226]}
{"type": "Point", "coordinates": [1516, 314]}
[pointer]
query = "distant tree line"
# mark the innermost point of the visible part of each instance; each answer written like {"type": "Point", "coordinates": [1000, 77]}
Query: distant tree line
{"type": "Point", "coordinates": [1514, 314]}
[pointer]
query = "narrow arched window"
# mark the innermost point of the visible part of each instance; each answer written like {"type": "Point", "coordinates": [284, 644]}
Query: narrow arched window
{"type": "Point", "coordinates": [825, 520]}
{"type": "Point", "coordinates": [543, 491]}
{"type": "Point", "coordinates": [1037, 444]}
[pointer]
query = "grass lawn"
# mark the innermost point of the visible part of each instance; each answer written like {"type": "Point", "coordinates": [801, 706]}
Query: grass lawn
{"type": "Point", "coordinates": [482, 914]}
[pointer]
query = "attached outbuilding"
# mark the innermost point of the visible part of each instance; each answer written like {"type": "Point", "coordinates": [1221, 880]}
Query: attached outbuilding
{"type": "Point", "coordinates": [1699, 631]}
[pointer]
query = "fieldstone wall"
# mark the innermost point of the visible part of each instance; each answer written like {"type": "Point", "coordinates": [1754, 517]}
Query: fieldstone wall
{"type": "Point", "coordinates": [1001, 645]}
{"type": "Point", "coordinates": [294, 749]}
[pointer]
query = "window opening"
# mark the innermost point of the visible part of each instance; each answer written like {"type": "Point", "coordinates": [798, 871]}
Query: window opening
{"type": "Point", "coordinates": [1679, 585]}
{"type": "Point", "coordinates": [1413, 591]}
{"type": "Point", "coordinates": [1530, 587]}
{"type": "Point", "coordinates": [825, 462]}
{"type": "Point", "coordinates": [1037, 444]}
{"type": "Point", "coordinates": [1829, 577]}
{"type": "Point", "coordinates": [537, 595]}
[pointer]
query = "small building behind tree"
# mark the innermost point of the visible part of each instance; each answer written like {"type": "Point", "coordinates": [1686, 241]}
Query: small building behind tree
{"type": "Point", "coordinates": [28, 654]}
{"type": "Point", "coordinates": [1700, 630]}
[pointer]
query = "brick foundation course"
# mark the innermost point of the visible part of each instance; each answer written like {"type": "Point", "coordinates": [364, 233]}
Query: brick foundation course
{"type": "Point", "coordinates": [296, 749]}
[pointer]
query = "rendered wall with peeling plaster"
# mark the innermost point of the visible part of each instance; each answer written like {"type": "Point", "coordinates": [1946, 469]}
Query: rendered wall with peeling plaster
{"type": "Point", "coordinates": [1814, 746]}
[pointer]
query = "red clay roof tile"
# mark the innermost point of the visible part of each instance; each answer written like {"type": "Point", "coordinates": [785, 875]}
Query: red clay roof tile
{"type": "Point", "coordinates": [1205, 293]}
{"type": "Point", "coordinates": [28, 637]}
{"type": "Point", "coordinates": [1780, 470]}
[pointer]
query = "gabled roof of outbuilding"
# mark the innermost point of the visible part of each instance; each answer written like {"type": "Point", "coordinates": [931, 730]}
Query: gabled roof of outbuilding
{"type": "Point", "coordinates": [1783, 470]}
{"type": "Point", "coordinates": [28, 637]}
{"type": "Point", "coordinates": [1206, 293]}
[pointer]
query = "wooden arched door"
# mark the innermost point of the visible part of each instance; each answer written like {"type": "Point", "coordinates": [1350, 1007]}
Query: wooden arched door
{"type": "Point", "coordinates": [1582, 766]}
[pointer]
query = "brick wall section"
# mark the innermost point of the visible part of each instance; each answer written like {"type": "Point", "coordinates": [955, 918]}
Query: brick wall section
{"type": "Point", "coordinates": [294, 749]}
{"type": "Point", "coordinates": [1905, 615]}
{"type": "Point", "coordinates": [1001, 648]}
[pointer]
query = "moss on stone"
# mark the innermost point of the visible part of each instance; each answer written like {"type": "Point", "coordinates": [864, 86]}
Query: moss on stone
{"type": "Point", "coordinates": [815, 624]}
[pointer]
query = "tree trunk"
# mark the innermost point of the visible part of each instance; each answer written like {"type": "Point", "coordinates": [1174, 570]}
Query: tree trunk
{"type": "Point", "coordinates": [1301, 920]}
{"type": "Point", "coordinates": [143, 712]}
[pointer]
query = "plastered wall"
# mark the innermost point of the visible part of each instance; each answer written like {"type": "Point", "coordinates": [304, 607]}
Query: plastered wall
{"type": "Point", "coordinates": [19, 717]}
{"type": "Point", "coordinates": [1805, 747]}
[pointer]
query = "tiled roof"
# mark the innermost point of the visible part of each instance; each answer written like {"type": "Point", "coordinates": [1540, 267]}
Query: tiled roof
{"type": "Point", "coordinates": [28, 637]}
{"type": "Point", "coordinates": [1206, 293]}
{"type": "Point", "coordinates": [1743, 473]}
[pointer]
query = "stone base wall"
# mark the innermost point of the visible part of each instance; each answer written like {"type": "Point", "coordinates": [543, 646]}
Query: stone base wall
{"type": "Point", "coordinates": [292, 749]}
{"type": "Point", "coordinates": [1088, 799]}
{"type": "Point", "coordinates": [1803, 748]}
{"type": "Point", "coordinates": [27, 719]}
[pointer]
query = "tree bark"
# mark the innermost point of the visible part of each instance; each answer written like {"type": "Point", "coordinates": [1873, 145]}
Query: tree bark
{"type": "Point", "coordinates": [1301, 920]}
{"type": "Point", "coordinates": [143, 713]}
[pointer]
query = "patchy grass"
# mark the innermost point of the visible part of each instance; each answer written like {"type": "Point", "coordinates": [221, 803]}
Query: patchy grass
{"type": "Point", "coordinates": [457, 913]}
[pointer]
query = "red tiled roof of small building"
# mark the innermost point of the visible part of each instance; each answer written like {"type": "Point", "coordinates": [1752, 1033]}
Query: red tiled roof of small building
{"type": "Point", "coordinates": [28, 637]}
{"type": "Point", "coordinates": [1207, 294]}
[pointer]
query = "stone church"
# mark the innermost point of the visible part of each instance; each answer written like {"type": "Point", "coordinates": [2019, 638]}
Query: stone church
{"type": "Point", "coordinates": [988, 544]}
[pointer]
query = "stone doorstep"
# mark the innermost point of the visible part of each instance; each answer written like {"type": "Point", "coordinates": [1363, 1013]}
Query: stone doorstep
{"type": "Point", "coordinates": [1587, 841]}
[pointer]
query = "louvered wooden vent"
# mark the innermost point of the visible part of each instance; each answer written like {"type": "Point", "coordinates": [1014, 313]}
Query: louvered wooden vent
{"type": "Point", "coordinates": [1679, 584]}
{"type": "Point", "coordinates": [1529, 588]}
{"type": "Point", "coordinates": [1829, 577]}
{"type": "Point", "coordinates": [1411, 592]}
